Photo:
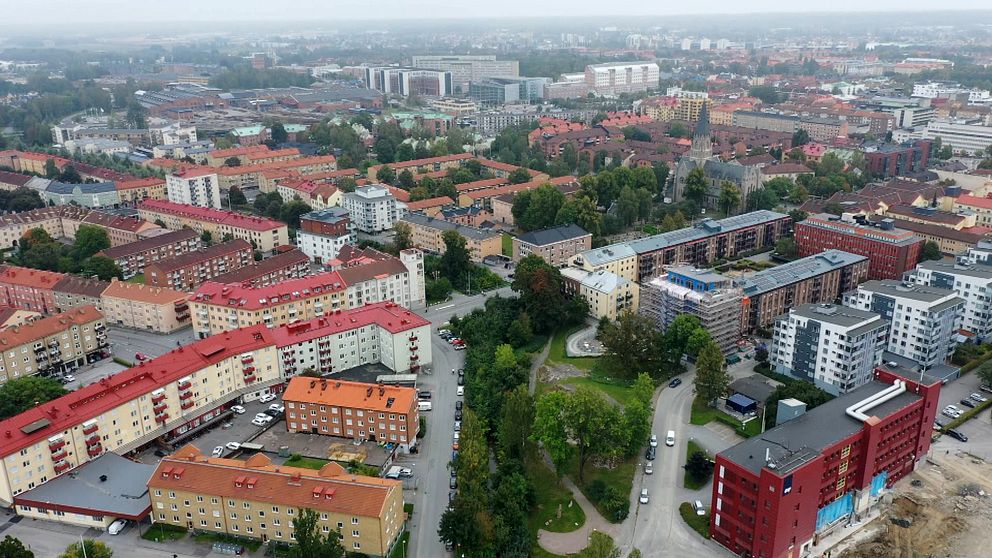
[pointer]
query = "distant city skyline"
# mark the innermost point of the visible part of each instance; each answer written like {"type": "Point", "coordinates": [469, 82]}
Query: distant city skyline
{"type": "Point", "coordinates": [40, 12]}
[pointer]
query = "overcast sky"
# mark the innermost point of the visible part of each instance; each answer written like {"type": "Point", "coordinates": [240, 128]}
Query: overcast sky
{"type": "Point", "coordinates": [80, 11]}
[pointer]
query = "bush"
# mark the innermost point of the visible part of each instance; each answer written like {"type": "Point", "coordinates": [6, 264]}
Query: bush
{"type": "Point", "coordinates": [597, 490]}
{"type": "Point", "coordinates": [423, 427]}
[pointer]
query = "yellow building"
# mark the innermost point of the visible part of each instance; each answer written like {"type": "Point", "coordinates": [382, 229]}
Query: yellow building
{"type": "Point", "coordinates": [608, 294]}
{"type": "Point", "coordinates": [259, 500]}
{"type": "Point", "coordinates": [137, 306]}
{"type": "Point", "coordinates": [263, 234]}
{"type": "Point", "coordinates": [53, 345]}
{"type": "Point", "coordinates": [134, 191]}
{"type": "Point", "coordinates": [428, 232]}
{"type": "Point", "coordinates": [619, 259]}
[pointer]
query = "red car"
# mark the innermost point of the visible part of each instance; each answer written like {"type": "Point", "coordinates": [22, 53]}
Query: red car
{"type": "Point", "coordinates": [140, 356]}
{"type": "Point", "coordinates": [457, 342]}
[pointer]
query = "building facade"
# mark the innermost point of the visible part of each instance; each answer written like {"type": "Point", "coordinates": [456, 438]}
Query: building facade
{"type": "Point", "coordinates": [54, 345]}
{"type": "Point", "coordinates": [323, 233]}
{"type": "Point", "coordinates": [144, 307]}
{"type": "Point", "coordinates": [889, 161]}
{"type": "Point", "coordinates": [263, 234]}
{"type": "Point", "coordinates": [709, 296]}
{"type": "Point", "coordinates": [467, 68]}
{"type": "Point", "coordinates": [557, 245]}
{"type": "Point", "coordinates": [609, 295]}
{"type": "Point", "coordinates": [132, 258]}
{"type": "Point", "coordinates": [187, 271]}
{"type": "Point", "coordinates": [891, 252]}
{"type": "Point", "coordinates": [971, 282]}
{"type": "Point", "coordinates": [428, 234]}
{"type": "Point", "coordinates": [613, 78]}
{"type": "Point", "coordinates": [198, 187]}
{"type": "Point", "coordinates": [291, 264]}
{"type": "Point", "coordinates": [372, 208]}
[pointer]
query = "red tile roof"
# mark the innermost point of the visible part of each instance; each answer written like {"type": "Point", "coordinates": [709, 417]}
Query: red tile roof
{"type": "Point", "coordinates": [171, 237]}
{"type": "Point", "coordinates": [139, 183]}
{"type": "Point", "coordinates": [59, 415]}
{"type": "Point", "coordinates": [387, 315]}
{"type": "Point", "coordinates": [382, 398]}
{"type": "Point", "coordinates": [220, 216]}
{"type": "Point", "coordinates": [427, 161]}
{"type": "Point", "coordinates": [398, 193]}
{"type": "Point", "coordinates": [27, 277]}
{"type": "Point", "coordinates": [975, 201]}
{"type": "Point", "coordinates": [432, 202]}
{"type": "Point", "coordinates": [481, 184]}
{"type": "Point", "coordinates": [194, 172]}
{"type": "Point", "coordinates": [238, 151]}
{"type": "Point", "coordinates": [248, 298]}
{"type": "Point", "coordinates": [16, 336]}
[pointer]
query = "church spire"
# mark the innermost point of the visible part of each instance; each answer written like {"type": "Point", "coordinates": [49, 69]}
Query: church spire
{"type": "Point", "coordinates": [702, 145]}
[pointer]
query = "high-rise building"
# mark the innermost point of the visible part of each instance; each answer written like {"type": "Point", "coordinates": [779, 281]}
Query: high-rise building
{"type": "Point", "coordinates": [503, 90]}
{"type": "Point", "coordinates": [409, 81]}
{"type": "Point", "coordinates": [465, 69]}
{"type": "Point", "coordinates": [198, 187]}
{"type": "Point", "coordinates": [323, 233]}
{"type": "Point", "coordinates": [971, 282]}
{"type": "Point", "coordinates": [711, 297]}
{"type": "Point", "coordinates": [613, 78]}
{"type": "Point", "coordinates": [835, 347]}
{"type": "Point", "coordinates": [373, 208]}
{"type": "Point", "coordinates": [890, 251]}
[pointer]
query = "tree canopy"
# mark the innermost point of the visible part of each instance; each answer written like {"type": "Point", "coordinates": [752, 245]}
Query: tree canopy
{"type": "Point", "coordinates": [20, 394]}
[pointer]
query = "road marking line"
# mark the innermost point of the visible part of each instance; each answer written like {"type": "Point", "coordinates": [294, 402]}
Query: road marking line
{"type": "Point", "coordinates": [443, 307]}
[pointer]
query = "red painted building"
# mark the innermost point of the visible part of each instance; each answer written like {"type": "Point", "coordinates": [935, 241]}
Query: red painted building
{"type": "Point", "coordinates": [890, 251]}
{"type": "Point", "coordinates": [898, 160]}
{"type": "Point", "coordinates": [776, 495]}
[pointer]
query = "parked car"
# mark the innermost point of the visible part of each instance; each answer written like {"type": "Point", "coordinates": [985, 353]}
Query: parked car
{"type": "Point", "coordinates": [453, 483]}
{"type": "Point", "coordinates": [218, 451]}
{"type": "Point", "coordinates": [648, 468]}
{"type": "Point", "coordinates": [69, 378]}
{"type": "Point", "coordinates": [937, 425]}
{"type": "Point", "coordinates": [698, 506]}
{"type": "Point", "coordinates": [458, 405]}
{"type": "Point", "coordinates": [458, 426]}
{"type": "Point", "coordinates": [644, 496]}
{"type": "Point", "coordinates": [273, 414]}
{"type": "Point", "coordinates": [456, 342]}
{"type": "Point", "coordinates": [267, 397]}
{"type": "Point", "coordinates": [653, 442]}
{"type": "Point", "coordinates": [160, 453]}
{"type": "Point", "coordinates": [676, 382]}
{"type": "Point", "coordinates": [460, 391]}
{"type": "Point", "coordinates": [117, 526]}
{"type": "Point", "coordinates": [650, 454]}
{"type": "Point", "coordinates": [140, 357]}
{"type": "Point", "coordinates": [226, 425]}
{"type": "Point", "coordinates": [670, 438]}
{"type": "Point", "coordinates": [233, 446]}
{"type": "Point", "coordinates": [978, 397]}
{"type": "Point", "coordinates": [959, 436]}
{"type": "Point", "coordinates": [461, 380]}
{"type": "Point", "coordinates": [259, 422]}
{"type": "Point", "coordinates": [277, 407]}
{"type": "Point", "coordinates": [968, 403]}
{"type": "Point", "coordinates": [444, 332]}
{"type": "Point", "coordinates": [238, 409]}
{"type": "Point", "coordinates": [461, 347]}
{"type": "Point", "coordinates": [986, 388]}
{"type": "Point", "coordinates": [951, 413]}
{"type": "Point", "coordinates": [458, 414]}
{"type": "Point", "coordinates": [456, 435]}
{"type": "Point", "coordinates": [264, 417]}
{"type": "Point", "coordinates": [424, 394]}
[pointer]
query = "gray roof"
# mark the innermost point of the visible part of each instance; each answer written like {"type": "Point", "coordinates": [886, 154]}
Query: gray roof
{"type": "Point", "coordinates": [124, 494]}
{"type": "Point", "coordinates": [836, 314]}
{"type": "Point", "coordinates": [704, 229]}
{"type": "Point", "coordinates": [560, 233]}
{"type": "Point", "coordinates": [701, 275]}
{"type": "Point", "coordinates": [606, 254]}
{"type": "Point", "coordinates": [969, 270]}
{"type": "Point", "coordinates": [799, 270]}
{"type": "Point", "coordinates": [755, 386]}
{"type": "Point", "coordinates": [603, 281]}
{"type": "Point", "coordinates": [473, 233]}
{"type": "Point", "coordinates": [85, 188]}
{"type": "Point", "coordinates": [911, 291]}
{"type": "Point", "coordinates": [801, 439]}
{"type": "Point", "coordinates": [330, 215]}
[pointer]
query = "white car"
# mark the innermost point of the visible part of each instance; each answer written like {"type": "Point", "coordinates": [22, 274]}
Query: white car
{"type": "Point", "coordinates": [69, 378]}
{"type": "Point", "coordinates": [218, 451]}
{"type": "Point", "coordinates": [460, 391]}
{"type": "Point", "coordinates": [974, 397]}
{"type": "Point", "coordinates": [457, 435]}
{"type": "Point", "coordinates": [648, 468]}
{"type": "Point", "coordinates": [267, 397]}
{"type": "Point", "coordinates": [238, 409]}
{"type": "Point", "coordinates": [458, 426]}
{"type": "Point", "coordinates": [263, 416]}
{"type": "Point", "coordinates": [654, 440]}
{"type": "Point", "coordinates": [644, 496]}
{"type": "Point", "coordinates": [952, 413]}
{"type": "Point", "coordinates": [233, 446]}
{"type": "Point", "coordinates": [698, 506]}
{"type": "Point", "coordinates": [259, 422]}
{"type": "Point", "coordinates": [277, 408]}
{"type": "Point", "coordinates": [117, 526]}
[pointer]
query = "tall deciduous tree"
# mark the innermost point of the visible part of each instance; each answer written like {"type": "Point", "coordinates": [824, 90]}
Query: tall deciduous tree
{"type": "Point", "coordinates": [516, 425]}
{"type": "Point", "coordinates": [632, 344]}
{"type": "Point", "coordinates": [310, 543]}
{"type": "Point", "coordinates": [14, 548]}
{"type": "Point", "coordinates": [402, 236]}
{"type": "Point", "coordinates": [730, 197]}
{"type": "Point", "coordinates": [519, 176]}
{"type": "Point", "coordinates": [695, 188]}
{"type": "Point", "coordinates": [90, 240]}
{"type": "Point", "coordinates": [20, 394]}
{"type": "Point", "coordinates": [456, 263]}
{"type": "Point", "coordinates": [88, 548]}
{"type": "Point", "coordinates": [712, 378]}
{"type": "Point", "coordinates": [586, 419]}
{"type": "Point", "coordinates": [582, 212]}
{"type": "Point", "coordinates": [539, 286]}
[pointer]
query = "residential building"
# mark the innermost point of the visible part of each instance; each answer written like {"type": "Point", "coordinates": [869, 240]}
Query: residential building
{"type": "Point", "coordinates": [613, 78]}
{"type": "Point", "coordinates": [428, 234]}
{"type": "Point", "coordinates": [263, 234]}
{"type": "Point", "coordinates": [133, 257]}
{"type": "Point", "coordinates": [949, 239]}
{"type": "Point", "coordinates": [323, 233]}
{"type": "Point", "coordinates": [257, 499]}
{"type": "Point", "coordinates": [971, 282]}
{"type": "Point", "coordinates": [198, 187]}
{"type": "Point", "coordinates": [770, 121]}
{"type": "Point", "coordinates": [891, 252]}
{"type": "Point", "coordinates": [187, 271]}
{"type": "Point", "coordinates": [835, 347]}
{"type": "Point", "coordinates": [792, 171]}
{"type": "Point", "coordinates": [455, 107]}
{"type": "Point", "coordinates": [714, 299]}
{"type": "Point", "coordinates": [619, 259]}
{"type": "Point", "coordinates": [157, 395]}
{"type": "Point", "coordinates": [556, 245]}
{"type": "Point", "coordinates": [409, 81]}
{"type": "Point", "coordinates": [465, 69]}
{"type": "Point", "coordinates": [809, 477]}
{"type": "Point", "coordinates": [144, 307]}
{"type": "Point", "coordinates": [422, 166]}
{"type": "Point", "coordinates": [291, 264]}
{"type": "Point", "coordinates": [888, 161]}
{"type": "Point", "coordinates": [92, 195]}
{"type": "Point", "coordinates": [811, 280]}
{"type": "Point", "coordinates": [385, 278]}
{"type": "Point", "coordinates": [609, 295]}
{"type": "Point", "coordinates": [972, 138]}
{"type": "Point", "coordinates": [73, 290]}
{"type": "Point", "coordinates": [923, 320]}
{"type": "Point", "coordinates": [63, 222]}
{"type": "Point", "coordinates": [356, 410]}
{"type": "Point", "coordinates": [28, 289]}
{"type": "Point", "coordinates": [823, 129]}
{"type": "Point", "coordinates": [217, 307]}
{"type": "Point", "coordinates": [372, 208]}
{"type": "Point", "coordinates": [140, 189]}
{"type": "Point", "coordinates": [54, 345]}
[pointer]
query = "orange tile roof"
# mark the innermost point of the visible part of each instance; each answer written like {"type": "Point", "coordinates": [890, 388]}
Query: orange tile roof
{"type": "Point", "coordinates": [207, 214]}
{"type": "Point", "coordinates": [237, 151]}
{"type": "Point", "coordinates": [194, 172]}
{"type": "Point", "coordinates": [39, 329]}
{"type": "Point", "coordinates": [975, 201]}
{"type": "Point", "coordinates": [514, 188]}
{"type": "Point", "coordinates": [140, 183]}
{"type": "Point", "coordinates": [27, 277]}
{"type": "Point", "coordinates": [398, 193]}
{"type": "Point", "coordinates": [432, 202]}
{"type": "Point", "coordinates": [330, 489]}
{"type": "Point", "coordinates": [427, 161]}
{"type": "Point", "coordinates": [481, 184]}
{"type": "Point", "coordinates": [250, 298]}
{"type": "Point", "coordinates": [357, 395]}
{"type": "Point", "coordinates": [143, 293]}
{"type": "Point", "coordinates": [289, 151]}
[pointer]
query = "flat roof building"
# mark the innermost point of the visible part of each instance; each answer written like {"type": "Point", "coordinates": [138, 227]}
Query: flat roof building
{"type": "Point", "coordinates": [555, 245]}
{"type": "Point", "coordinates": [711, 297]}
{"type": "Point", "coordinates": [891, 252]}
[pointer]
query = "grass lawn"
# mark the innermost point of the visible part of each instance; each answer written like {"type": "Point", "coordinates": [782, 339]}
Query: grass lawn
{"type": "Point", "coordinates": [704, 414]}
{"type": "Point", "coordinates": [161, 532]}
{"type": "Point", "coordinates": [620, 478]}
{"type": "Point", "coordinates": [306, 462]}
{"type": "Point", "coordinates": [139, 278]}
{"type": "Point", "coordinates": [399, 549]}
{"type": "Point", "coordinates": [698, 523]}
{"type": "Point", "coordinates": [622, 394]}
{"type": "Point", "coordinates": [691, 483]}
{"type": "Point", "coordinates": [507, 245]}
{"type": "Point", "coordinates": [557, 351]}
{"type": "Point", "coordinates": [548, 495]}
{"type": "Point", "coordinates": [210, 538]}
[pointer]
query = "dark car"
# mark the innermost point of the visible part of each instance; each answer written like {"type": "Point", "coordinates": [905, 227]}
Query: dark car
{"type": "Point", "coordinates": [458, 414]}
{"type": "Point", "coordinates": [272, 413]}
{"type": "Point", "coordinates": [676, 382]}
{"type": "Point", "coordinates": [453, 484]}
{"type": "Point", "coordinates": [968, 403]}
{"type": "Point", "coordinates": [650, 454]}
{"type": "Point", "coordinates": [160, 453]}
{"type": "Point", "coordinates": [957, 435]}
{"type": "Point", "coordinates": [451, 496]}
{"type": "Point", "coordinates": [458, 405]}
{"type": "Point", "coordinates": [461, 380]}
{"type": "Point", "coordinates": [424, 395]}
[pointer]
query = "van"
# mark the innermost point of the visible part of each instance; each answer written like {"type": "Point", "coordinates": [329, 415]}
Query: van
{"type": "Point", "coordinates": [424, 405]}
{"type": "Point", "coordinates": [117, 526]}
{"type": "Point", "coordinates": [670, 438]}
{"type": "Point", "coordinates": [698, 506]}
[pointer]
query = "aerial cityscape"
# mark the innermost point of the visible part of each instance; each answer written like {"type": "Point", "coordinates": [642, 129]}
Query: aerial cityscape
{"type": "Point", "coordinates": [425, 279]}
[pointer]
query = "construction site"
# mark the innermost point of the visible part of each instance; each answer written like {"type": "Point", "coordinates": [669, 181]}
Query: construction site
{"type": "Point", "coordinates": [944, 509]}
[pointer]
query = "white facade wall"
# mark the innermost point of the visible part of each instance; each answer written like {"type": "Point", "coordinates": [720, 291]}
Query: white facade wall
{"type": "Point", "coordinates": [322, 248]}
{"type": "Point", "coordinates": [201, 191]}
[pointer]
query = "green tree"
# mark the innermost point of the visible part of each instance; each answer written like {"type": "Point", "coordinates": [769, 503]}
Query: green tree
{"type": "Point", "coordinates": [278, 133]}
{"type": "Point", "coordinates": [800, 137]}
{"type": "Point", "coordinates": [930, 251]}
{"type": "Point", "coordinates": [695, 187]}
{"type": "Point", "coordinates": [70, 175]}
{"type": "Point", "coordinates": [136, 116]}
{"type": "Point", "coordinates": [456, 262]}
{"type": "Point", "coordinates": [539, 286]}
{"type": "Point", "coordinates": [347, 184]}
{"type": "Point", "coordinates": [402, 236]}
{"type": "Point", "coordinates": [787, 248]}
{"type": "Point", "coordinates": [761, 198]}
{"type": "Point", "coordinates": [207, 238]}
{"type": "Point", "coordinates": [405, 152]}
{"type": "Point", "coordinates": [678, 130]}
{"type": "Point", "coordinates": [699, 466]}
{"type": "Point", "coordinates": [583, 419]}
{"type": "Point", "coordinates": [806, 392]}
{"type": "Point", "coordinates": [102, 267]}
{"type": "Point", "coordinates": [232, 162]}
{"type": "Point", "coordinates": [237, 197]}
{"type": "Point", "coordinates": [676, 337]}
{"type": "Point", "coordinates": [730, 197]}
{"type": "Point", "coordinates": [519, 176]}
{"type": "Point", "coordinates": [386, 175]}
{"type": "Point", "coordinates": [712, 378]}
{"type": "Point", "coordinates": [645, 177]}
{"type": "Point", "coordinates": [20, 394]}
{"type": "Point", "coordinates": [768, 94]}
{"type": "Point", "coordinates": [945, 152]}
{"type": "Point", "coordinates": [310, 543]}
{"type": "Point", "coordinates": [88, 548]}
{"type": "Point", "coordinates": [632, 345]}
{"type": "Point", "coordinates": [292, 211]}
{"type": "Point", "coordinates": [581, 211]}
{"type": "Point", "coordinates": [516, 424]}
{"type": "Point", "coordinates": [14, 548]}
{"type": "Point", "coordinates": [538, 208]}
{"type": "Point", "coordinates": [798, 215]}
{"type": "Point", "coordinates": [570, 156]}
{"type": "Point", "coordinates": [984, 373]}
{"type": "Point", "coordinates": [405, 179]}
{"type": "Point", "coordinates": [600, 546]}
{"type": "Point", "coordinates": [627, 206]}
{"type": "Point", "coordinates": [51, 169]}
{"type": "Point", "coordinates": [90, 240]}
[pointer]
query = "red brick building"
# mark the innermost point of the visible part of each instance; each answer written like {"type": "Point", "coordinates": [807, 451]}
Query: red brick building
{"type": "Point", "coordinates": [776, 495]}
{"type": "Point", "coordinates": [291, 264]}
{"type": "Point", "coordinates": [890, 251]}
{"type": "Point", "coordinates": [899, 160]}
{"type": "Point", "coordinates": [28, 289]}
{"type": "Point", "coordinates": [133, 257]}
{"type": "Point", "coordinates": [187, 271]}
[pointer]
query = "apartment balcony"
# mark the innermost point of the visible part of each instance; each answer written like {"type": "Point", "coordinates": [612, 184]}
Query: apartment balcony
{"type": "Point", "coordinates": [249, 370]}
{"type": "Point", "coordinates": [39, 349]}
{"type": "Point", "coordinates": [161, 407]}
{"type": "Point", "coordinates": [56, 446]}
{"type": "Point", "coordinates": [95, 450]}
{"type": "Point", "coordinates": [156, 399]}
{"type": "Point", "coordinates": [59, 456]}
{"type": "Point", "coordinates": [414, 348]}
{"type": "Point", "coordinates": [87, 430]}
{"type": "Point", "coordinates": [413, 338]}
{"type": "Point", "coordinates": [61, 468]}
{"type": "Point", "coordinates": [162, 418]}
{"type": "Point", "coordinates": [249, 378]}
{"type": "Point", "coordinates": [188, 404]}
{"type": "Point", "coordinates": [185, 395]}
{"type": "Point", "coordinates": [185, 384]}
{"type": "Point", "coordinates": [53, 343]}
{"type": "Point", "coordinates": [414, 358]}
{"type": "Point", "coordinates": [93, 440]}
{"type": "Point", "coordinates": [247, 360]}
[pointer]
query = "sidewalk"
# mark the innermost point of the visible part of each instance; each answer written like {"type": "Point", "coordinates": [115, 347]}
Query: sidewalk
{"type": "Point", "coordinates": [575, 541]}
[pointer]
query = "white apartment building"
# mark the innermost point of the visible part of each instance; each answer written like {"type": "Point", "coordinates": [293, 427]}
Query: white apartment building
{"type": "Point", "coordinates": [373, 208]}
{"type": "Point", "coordinates": [960, 136]}
{"type": "Point", "coordinates": [923, 320]}
{"type": "Point", "coordinates": [939, 90]}
{"type": "Point", "coordinates": [622, 77]}
{"type": "Point", "coordinates": [465, 69]}
{"type": "Point", "coordinates": [198, 187]}
{"type": "Point", "coordinates": [971, 282]}
{"type": "Point", "coordinates": [834, 347]}
{"type": "Point", "coordinates": [323, 233]}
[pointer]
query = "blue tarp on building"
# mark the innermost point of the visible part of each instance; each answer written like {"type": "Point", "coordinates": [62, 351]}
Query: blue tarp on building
{"type": "Point", "coordinates": [878, 483]}
{"type": "Point", "coordinates": [741, 403]}
{"type": "Point", "coordinates": [837, 509]}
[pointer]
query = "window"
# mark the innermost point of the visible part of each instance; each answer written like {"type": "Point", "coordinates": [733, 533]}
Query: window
{"type": "Point", "coordinates": [355, 533]}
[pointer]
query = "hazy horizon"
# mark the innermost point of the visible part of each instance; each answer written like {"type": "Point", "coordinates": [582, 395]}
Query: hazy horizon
{"type": "Point", "coordinates": [61, 12]}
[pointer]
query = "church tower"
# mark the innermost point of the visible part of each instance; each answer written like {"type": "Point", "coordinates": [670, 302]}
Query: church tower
{"type": "Point", "coordinates": [702, 144]}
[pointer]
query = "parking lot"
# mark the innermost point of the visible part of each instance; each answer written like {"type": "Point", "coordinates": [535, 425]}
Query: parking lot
{"type": "Point", "coordinates": [978, 430]}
